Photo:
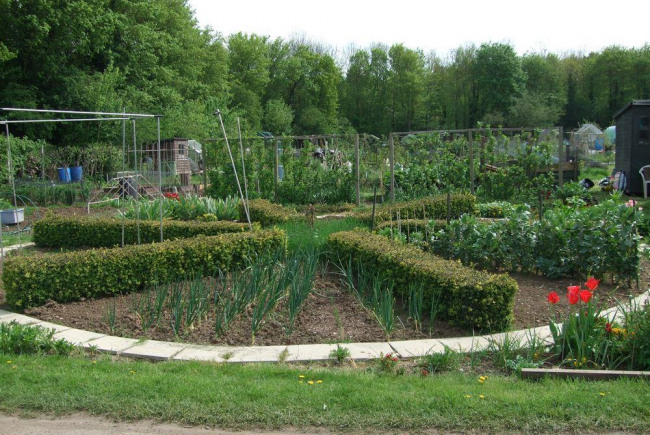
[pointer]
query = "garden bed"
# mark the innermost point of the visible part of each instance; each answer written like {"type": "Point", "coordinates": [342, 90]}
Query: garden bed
{"type": "Point", "coordinates": [330, 314]}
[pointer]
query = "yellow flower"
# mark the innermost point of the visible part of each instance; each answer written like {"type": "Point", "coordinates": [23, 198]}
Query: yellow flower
{"type": "Point", "coordinates": [133, 372]}
{"type": "Point", "coordinates": [319, 381]}
{"type": "Point", "coordinates": [310, 382]}
{"type": "Point", "coordinates": [9, 361]}
{"type": "Point", "coordinates": [602, 394]}
{"type": "Point", "coordinates": [467, 396]}
{"type": "Point", "coordinates": [94, 362]}
{"type": "Point", "coordinates": [301, 376]}
{"type": "Point", "coordinates": [481, 396]}
{"type": "Point", "coordinates": [480, 381]}
{"type": "Point", "coordinates": [300, 382]}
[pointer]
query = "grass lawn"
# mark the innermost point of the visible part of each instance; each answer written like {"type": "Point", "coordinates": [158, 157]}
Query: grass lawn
{"type": "Point", "coordinates": [271, 396]}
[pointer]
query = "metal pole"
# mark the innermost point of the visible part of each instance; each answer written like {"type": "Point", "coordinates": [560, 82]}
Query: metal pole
{"type": "Point", "coordinates": [39, 121]}
{"type": "Point", "coordinates": [471, 162]}
{"type": "Point", "coordinates": [232, 160]}
{"type": "Point", "coordinates": [560, 163]}
{"type": "Point", "coordinates": [10, 167]}
{"type": "Point", "coordinates": [135, 186]}
{"type": "Point", "coordinates": [391, 143]}
{"type": "Point", "coordinates": [79, 112]}
{"type": "Point", "coordinates": [275, 169]}
{"type": "Point", "coordinates": [122, 180]}
{"type": "Point", "coordinates": [356, 169]}
{"type": "Point", "coordinates": [160, 178]}
{"type": "Point", "coordinates": [243, 166]}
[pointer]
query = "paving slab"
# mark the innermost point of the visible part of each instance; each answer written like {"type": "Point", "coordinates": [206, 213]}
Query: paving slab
{"type": "Point", "coordinates": [254, 354]}
{"type": "Point", "coordinates": [365, 351]}
{"type": "Point", "coordinates": [18, 318]}
{"type": "Point", "coordinates": [78, 337]}
{"type": "Point", "coordinates": [114, 345]}
{"type": "Point", "coordinates": [312, 352]}
{"type": "Point", "coordinates": [154, 350]}
{"type": "Point", "coordinates": [48, 325]}
{"type": "Point", "coordinates": [203, 353]}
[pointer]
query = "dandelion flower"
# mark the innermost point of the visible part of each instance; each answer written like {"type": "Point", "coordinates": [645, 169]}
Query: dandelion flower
{"type": "Point", "coordinates": [301, 376]}
{"type": "Point", "coordinates": [311, 382]}
{"type": "Point", "coordinates": [481, 381]}
{"type": "Point", "coordinates": [602, 394]}
{"type": "Point", "coordinates": [9, 362]}
{"type": "Point", "coordinates": [319, 381]}
{"type": "Point", "coordinates": [481, 396]}
{"type": "Point", "coordinates": [467, 396]}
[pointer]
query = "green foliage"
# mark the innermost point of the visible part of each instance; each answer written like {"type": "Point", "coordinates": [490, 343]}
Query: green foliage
{"type": "Point", "coordinates": [301, 235]}
{"type": "Point", "coordinates": [497, 209]}
{"type": "Point", "coordinates": [75, 232]}
{"type": "Point", "coordinates": [184, 208]}
{"type": "Point", "coordinates": [266, 213]}
{"type": "Point", "coordinates": [436, 362]}
{"type": "Point", "coordinates": [434, 207]}
{"type": "Point", "coordinates": [468, 298]}
{"type": "Point", "coordinates": [69, 276]}
{"type": "Point", "coordinates": [569, 241]}
{"type": "Point", "coordinates": [17, 339]}
{"type": "Point", "coordinates": [48, 193]}
{"type": "Point", "coordinates": [340, 354]}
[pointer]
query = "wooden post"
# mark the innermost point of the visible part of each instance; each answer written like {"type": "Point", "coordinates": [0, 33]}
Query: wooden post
{"type": "Point", "coordinates": [357, 172]}
{"type": "Point", "coordinates": [391, 143]}
{"type": "Point", "coordinates": [471, 162]}
{"type": "Point", "coordinates": [561, 154]}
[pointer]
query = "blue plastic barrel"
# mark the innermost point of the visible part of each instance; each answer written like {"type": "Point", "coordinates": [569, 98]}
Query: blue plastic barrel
{"type": "Point", "coordinates": [76, 172]}
{"type": "Point", "coordinates": [64, 175]}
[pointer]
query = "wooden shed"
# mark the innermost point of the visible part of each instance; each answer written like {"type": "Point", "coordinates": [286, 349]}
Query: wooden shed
{"type": "Point", "coordinates": [633, 142]}
{"type": "Point", "coordinates": [175, 162]}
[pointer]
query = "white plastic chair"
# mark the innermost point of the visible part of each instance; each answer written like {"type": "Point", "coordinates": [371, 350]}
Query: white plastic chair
{"type": "Point", "coordinates": [646, 180]}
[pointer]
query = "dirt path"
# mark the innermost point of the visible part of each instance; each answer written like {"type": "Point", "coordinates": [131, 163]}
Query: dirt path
{"type": "Point", "coordinates": [82, 424]}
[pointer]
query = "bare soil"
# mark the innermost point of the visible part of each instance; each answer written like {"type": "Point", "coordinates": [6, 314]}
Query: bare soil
{"type": "Point", "coordinates": [330, 314]}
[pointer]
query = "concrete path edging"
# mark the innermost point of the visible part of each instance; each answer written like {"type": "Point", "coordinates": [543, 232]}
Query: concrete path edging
{"type": "Point", "coordinates": [163, 351]}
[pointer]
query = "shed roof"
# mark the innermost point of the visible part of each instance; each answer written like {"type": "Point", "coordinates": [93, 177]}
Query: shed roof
{"type": "Point", "coordinates": [633, 103]}
{"type": "Point", "coordinates": [589, 129]}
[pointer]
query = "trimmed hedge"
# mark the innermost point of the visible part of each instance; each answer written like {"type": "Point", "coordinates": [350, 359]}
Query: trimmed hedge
{"type": "Point", "coordinates": [434, 207]}
{"type": "Point", "coordinates": [64, 277]}
{"type": "Point", "coordinates": [76, 232]}
{"type": "Point", "coordinates": [414, 224]}
{"type": "Point", "coordinates": [266, 213]}
{"type": "Point", "coordinates": [469, 298]}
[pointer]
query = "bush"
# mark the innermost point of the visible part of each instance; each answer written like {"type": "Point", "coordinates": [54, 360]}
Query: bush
{"type": "Point", "coordinates": [434, 207]}
{"type": "Point", "coordinates": [17, 339]}
{"type": "Point", "coordinates": [64, 277]}
{"type": "Point", "coordinates": [76, 232]}
{"type": "Point", "coordinates": [266, 213]}
{"type": "Point", "coordinates": [569, 241]}
{"type": "Point", "coordinates": [469, 298]}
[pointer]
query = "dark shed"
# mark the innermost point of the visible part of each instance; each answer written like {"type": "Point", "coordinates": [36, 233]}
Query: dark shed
{"type": "Point", "coordinates": [633, 142]}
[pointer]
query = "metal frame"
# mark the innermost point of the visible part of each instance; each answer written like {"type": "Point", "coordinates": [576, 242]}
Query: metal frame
{"type": "Point", "coordinates": [97, 116]}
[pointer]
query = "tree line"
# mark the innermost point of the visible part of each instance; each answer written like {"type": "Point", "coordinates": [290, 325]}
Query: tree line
{"type": "Point", "coordinates": [151, 56]}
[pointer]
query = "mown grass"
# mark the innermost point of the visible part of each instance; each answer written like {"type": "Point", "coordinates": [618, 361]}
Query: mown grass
{"type": "Point", "coordinates": [301, 235]}
{"type": "Point", "coordinates": [270, 396]}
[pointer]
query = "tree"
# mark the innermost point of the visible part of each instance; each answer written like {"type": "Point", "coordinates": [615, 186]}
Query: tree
{"type": "Point", "coordinates": [499, 78]}
{"type": "Point", "coordinates": [278, 117]}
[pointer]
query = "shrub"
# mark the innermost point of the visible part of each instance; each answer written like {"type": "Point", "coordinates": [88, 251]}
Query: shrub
{"type": "Point", "coordinates": [64, 277]}
{"type": "Point", "coordinates": [434, 207]}
{"type": "Point", "coordinates": [569, 241]}
{"type": "Point", "coordinates": [17, 339]}
{"type": "Point", "coordinates": [266, 213]}
{"type": "Point", "coordinates": [75, 232]}
{"type": "Point", "coordinates": [469, 298]}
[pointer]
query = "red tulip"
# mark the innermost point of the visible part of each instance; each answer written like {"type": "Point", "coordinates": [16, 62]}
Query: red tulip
{"type": "Point", "coordinates": [592, 283]}
{"type": "Point", "coordinates": [585, 295]}
{"type": "Point", "coordinates": [553, 297]}
{"type": "Point", "coordinates": [573, 296]}
{"type": "Point", "coordinates": [608, 327]}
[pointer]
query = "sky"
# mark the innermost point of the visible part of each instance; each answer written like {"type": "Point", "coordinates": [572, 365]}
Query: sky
{"type": "Point", "coordinates": [529, 26]}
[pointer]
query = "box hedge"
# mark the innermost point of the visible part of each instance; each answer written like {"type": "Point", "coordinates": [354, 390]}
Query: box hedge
{"type": "Point", "coordinates": [64, 277]}
{"type": "Point", "coordinates": [76, 232]}
{"type": "Point", "coordinates": [413, 224]}
{"type": "Point", "coordinates": [267, 213]}
{"type": "Point", "coordinates": [469, 298]}
{"type": "Point", "coordinates": [434, 207]}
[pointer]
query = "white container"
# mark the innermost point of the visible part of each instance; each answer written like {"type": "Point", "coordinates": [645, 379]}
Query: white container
{"type": "Point", "coordinates": [12, 216]}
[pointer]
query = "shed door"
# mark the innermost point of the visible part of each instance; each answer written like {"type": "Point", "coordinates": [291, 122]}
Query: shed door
{"type": "Point", "coordinates": [644, 130]}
